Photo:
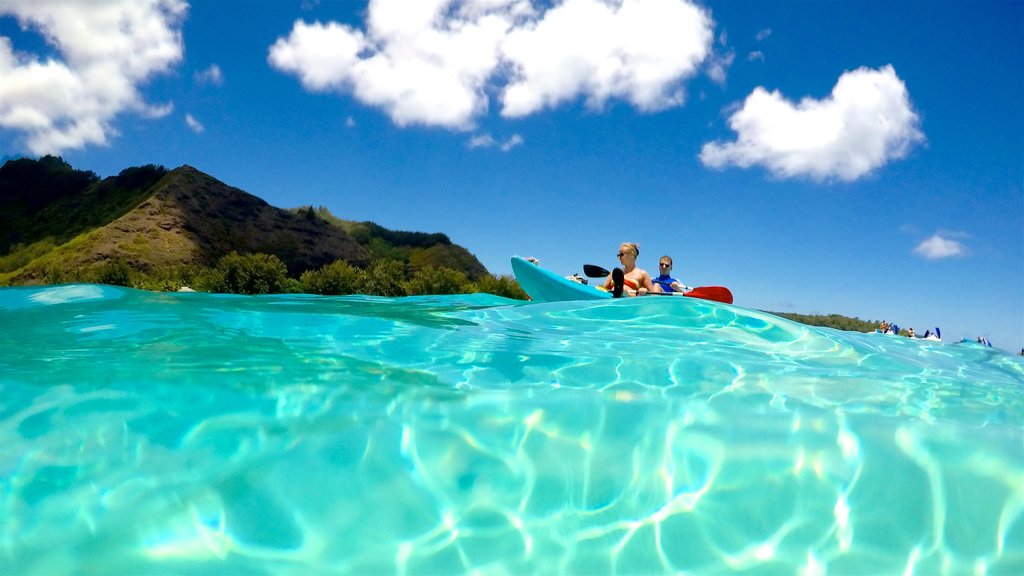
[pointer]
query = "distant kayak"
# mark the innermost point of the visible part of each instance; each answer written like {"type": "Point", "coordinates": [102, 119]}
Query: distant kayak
{"type": "Point", "coordinates": [543, 285]}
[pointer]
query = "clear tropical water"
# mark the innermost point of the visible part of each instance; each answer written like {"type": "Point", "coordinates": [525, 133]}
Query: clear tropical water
{"type": "Point", "coordinates": [194, 433]}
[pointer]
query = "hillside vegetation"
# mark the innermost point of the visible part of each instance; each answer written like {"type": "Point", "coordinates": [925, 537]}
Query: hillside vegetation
{"type": "Point", "coordinates": [266, 274]}
{"type": "Point", "coordinates": [157, 229]}
{"type": "Point", "coordinates": [416, 249]}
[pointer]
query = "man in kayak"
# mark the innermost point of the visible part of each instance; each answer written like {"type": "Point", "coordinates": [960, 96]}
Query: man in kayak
{"type": "Point", "coordinates": [665, 282]}
{"type": "Point", "coordinates": [628, 280]}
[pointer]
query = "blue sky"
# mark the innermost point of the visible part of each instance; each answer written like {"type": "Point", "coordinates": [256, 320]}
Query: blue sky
{"type": "Point", "coordinates": [861, 158]}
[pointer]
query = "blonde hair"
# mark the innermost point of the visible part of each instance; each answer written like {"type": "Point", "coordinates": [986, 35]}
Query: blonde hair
{"type": "Point", "coordinates": [634, 247]}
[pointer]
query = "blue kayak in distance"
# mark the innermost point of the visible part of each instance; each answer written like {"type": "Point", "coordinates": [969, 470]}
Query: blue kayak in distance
{"type": "Point", "coordinates": [543, 285]}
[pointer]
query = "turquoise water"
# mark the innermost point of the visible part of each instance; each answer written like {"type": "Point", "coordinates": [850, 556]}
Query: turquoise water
{"type": "Point", "coordinates": [195, 433]}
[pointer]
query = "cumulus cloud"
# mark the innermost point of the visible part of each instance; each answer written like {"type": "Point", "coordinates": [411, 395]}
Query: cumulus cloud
{"type": "Point", "coordinates": [194, 124]}
{"type": "Point", "coordinates": [418, 69]}
{"type": "Point", "coordinates": [488, 141]}
{"type": "Point", "coordinates": [212, 75]}
{"type": "Point", "coordinates": [104, 52]}
{"type": "Point", "coordinates": [437, 62]}
{"type": "Point", "coordinates": [938, 247]}
{"type": "Point", "coordinates": [635, 51]}
{"type": "Point", "coordinates": [763, 34]}
{"type": "Point", "coordinates": [866, 122]}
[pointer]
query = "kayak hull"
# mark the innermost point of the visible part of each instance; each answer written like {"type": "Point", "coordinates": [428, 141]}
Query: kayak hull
{"type": "Point", "coordinates": [543, 285]}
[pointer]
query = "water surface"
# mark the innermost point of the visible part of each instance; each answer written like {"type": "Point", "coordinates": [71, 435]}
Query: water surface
{"type": "Point", "coordinates": [195, 433]}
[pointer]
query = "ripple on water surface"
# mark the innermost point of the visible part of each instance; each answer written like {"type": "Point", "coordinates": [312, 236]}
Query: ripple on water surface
{"type": "Point", "coordinates": [156, 433]}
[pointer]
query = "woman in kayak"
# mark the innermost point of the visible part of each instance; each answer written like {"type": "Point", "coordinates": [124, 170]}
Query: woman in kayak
{"type": "Point", "coordinates": [628, 280]}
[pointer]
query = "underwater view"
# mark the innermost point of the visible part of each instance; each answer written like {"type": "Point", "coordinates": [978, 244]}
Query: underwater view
{"type": "Point", "coordinates": [159, 433]}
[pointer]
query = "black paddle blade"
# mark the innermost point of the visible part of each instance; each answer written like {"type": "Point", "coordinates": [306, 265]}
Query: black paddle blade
{"type": "Point", "coordinates": [593, 271]}
{"type": "Point", "coordinates": [618, 278]}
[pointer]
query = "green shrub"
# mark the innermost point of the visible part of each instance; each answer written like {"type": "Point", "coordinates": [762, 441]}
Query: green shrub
{"type": "Point", "coordinates": [115, 273]}
{"type": "Point", "coordinates": [56, 275]}
{"type": "Point", "coordinates": [208, 280]}
{"type": "Point", "coordinates": [292, 286]}
{"type": "Point", "coordinates": [386, 278]}
{"type": "Point", "coordinates": [252, 274]}
{"type": "Point", "coordinates": [500, 286]}
{"type": "Point", "coordinates": [168, 279]}
{"type": "Point", "coordinates": [336, 278]}
{"type": "Point", "coordinates": [20, 255]}
{"type": "Point", "coordinates": [157, 284]}
{"type": "Point", "coordinates": [431, 280]}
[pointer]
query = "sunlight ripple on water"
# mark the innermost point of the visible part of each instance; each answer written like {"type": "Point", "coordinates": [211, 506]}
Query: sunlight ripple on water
{"type": "Point", "coordinates": [171, 433]}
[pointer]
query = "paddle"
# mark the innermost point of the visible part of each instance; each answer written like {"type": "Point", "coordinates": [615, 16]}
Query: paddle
{"type": "Point", "coordinates": [716, 293]}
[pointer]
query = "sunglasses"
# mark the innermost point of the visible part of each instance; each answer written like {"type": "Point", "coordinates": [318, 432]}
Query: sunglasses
{"type": "Point", "coordinates": [663, 265]}
{"type": "Point", "coordinates": [620, 254]}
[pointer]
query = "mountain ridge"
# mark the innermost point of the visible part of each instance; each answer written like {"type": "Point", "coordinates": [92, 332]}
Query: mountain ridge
{"type": "Point", "coordinates": [152, 218]}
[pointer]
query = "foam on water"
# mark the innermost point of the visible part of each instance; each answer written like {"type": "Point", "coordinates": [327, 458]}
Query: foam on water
{"type": "Point", "coordinates": [182, 433]}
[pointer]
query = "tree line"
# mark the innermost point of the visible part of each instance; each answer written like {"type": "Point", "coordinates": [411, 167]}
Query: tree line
{"type": "Point", "coordinates": [837, 321]}
{"type": "Point", "coordinates": [267, 274]}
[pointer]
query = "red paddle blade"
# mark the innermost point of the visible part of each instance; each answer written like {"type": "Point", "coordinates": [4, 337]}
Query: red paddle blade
{"type": "Point", "coordinates": [716, 293]}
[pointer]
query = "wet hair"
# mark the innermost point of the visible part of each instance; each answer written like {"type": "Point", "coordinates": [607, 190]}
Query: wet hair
{"type": "Point", "coordinates": [633, 246]}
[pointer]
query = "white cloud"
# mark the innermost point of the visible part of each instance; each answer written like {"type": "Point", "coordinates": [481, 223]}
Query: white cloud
{"type": "Point", "coordinates": [435, 62]}
{"type": "Point", "coordinates": [755, 55]}
{"type": "Point", "coordinates": [866, 122]}
{"type": "Point", "coordinates": [419, 62]}
{"type": "Point", "coordinates": [938, 247]}
{"type": "Point", "coordinates": [511, 143]}
{"type": "Point", "coordinates": [637, 51]}
{"type": "Point", "coordinates": [482, 141]}
{"type": "Point", "coordinates": [194, 124]}
{"type": "Point", "coordinates": [488, 141]}
{"type": "Point", "coordinates": [718, 64]}
{"type": "Point", "coordinates": [763, 34]}
{"type": "Point", "coordinates": [105, 51]}
{"type": "Point", "coordinates": [212, 75]}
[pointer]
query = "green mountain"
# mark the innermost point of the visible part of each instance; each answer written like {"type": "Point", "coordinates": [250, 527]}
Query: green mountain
{"type": "Point", "coordinates": [54, 218]}
{"type": "Point", "coordinates": [417, 250]}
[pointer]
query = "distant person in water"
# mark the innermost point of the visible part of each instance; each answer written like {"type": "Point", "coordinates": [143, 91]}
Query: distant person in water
{"type": "Point", "coordinates": [665, 282]}
{"type": "Point", "coordinates": [628, 280]}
